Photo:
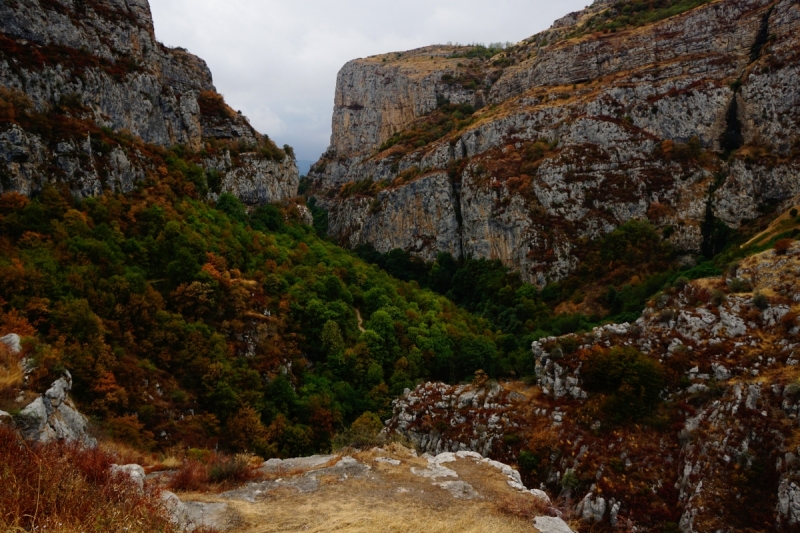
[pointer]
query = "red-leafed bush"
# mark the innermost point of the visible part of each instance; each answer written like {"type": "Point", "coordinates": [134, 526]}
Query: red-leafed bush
{"type": "Point", "coordinates": [782, 246]}
{"type": "Point", "coordinates": [68, 488]}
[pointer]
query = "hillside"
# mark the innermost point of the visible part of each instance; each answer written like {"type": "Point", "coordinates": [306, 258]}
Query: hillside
{"type": "Point", "coordinates": [685, 420]}
{"type": "Point", "coordinates": [680, 113]}
{"type": "Point", "coordinates": [84, 84]}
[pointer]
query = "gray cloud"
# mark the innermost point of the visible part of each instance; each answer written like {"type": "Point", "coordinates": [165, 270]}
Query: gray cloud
{"type": "Point", "coordinates": [276, 61]}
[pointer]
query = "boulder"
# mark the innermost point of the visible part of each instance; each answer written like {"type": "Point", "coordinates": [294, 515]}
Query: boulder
{"type": "Point", "coordinates": [296, 465]}
{"type": "Point", "coordinates": [52, 417]}
{"type": "Point", "coordinates": [551, 524]}
{"type": "Point", "coordinates": [12, 341]}
{"type": "Point", "coordinates": [592, 510]}
{"type": "Point", "coordinates": [6, 419]}
{"type": "Point", "coordinates": [134, 472]}
{"type": "Point", "coordinates": [176, 509]}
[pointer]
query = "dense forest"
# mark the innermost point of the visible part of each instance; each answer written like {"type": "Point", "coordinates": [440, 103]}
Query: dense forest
{"type": "Point", "coordinates": [184, 322]}
{"type": "Point", "coordinates": [195, 323]}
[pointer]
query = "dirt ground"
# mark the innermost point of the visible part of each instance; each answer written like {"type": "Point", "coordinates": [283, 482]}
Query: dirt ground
{"type": "Point", "coordinates": [371, 496]}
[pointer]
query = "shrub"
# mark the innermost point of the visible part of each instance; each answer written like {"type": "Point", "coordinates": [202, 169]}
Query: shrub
{"type": "Point", "coordinates": [363, 433]}
{"type": "Point", "coordinates": [212, 105]}
{"type": "Point", "coordinates": [681, 283]}
{"type": "Point", "coordinates": [793, 213]}
{"type": "Point", "coordinates": [68, 488]}
{"type": "Point", "coordinates": [761, 301]}
{"type": "Point", "coordinates": [717, 298]}
{"type": "Point", "coordinates": [738, 285]}
{"type": "Point", "coordinates": [234, 469]}
{"type": "Point", "coordinates": [631, 382]}
{"type": "Point", "coordinates": [667, 315]}
{"type": "Point", "coordinates": [191, 477]}
{"type": "Point", "coordinates": [782, 246]}
{"type": "Point", "coordinates": [789, 321]}
{"type": "Point", "coordinates": [526, 507]}
{"type": "Point", "coordinates": [232, 206]}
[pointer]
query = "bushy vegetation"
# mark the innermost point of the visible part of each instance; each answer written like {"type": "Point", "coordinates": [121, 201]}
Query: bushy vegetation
{"type": "Point", "coordinates": [443, 120]}
{"type": "Point", "coordinates": [628, 266]}
{"type": "Point", "coordinates": [70, 489]}
{"type": "Point", "coordinates": [638, 13]}
{"type": "Point", "coordinates": [629, 383]}
{"type": "Point", "coordinates": [183, 323]}
{"type": "Point", "coordinates": [481, 51]}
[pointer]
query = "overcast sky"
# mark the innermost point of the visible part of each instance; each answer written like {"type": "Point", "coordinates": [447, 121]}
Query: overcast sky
{"type": "Point", "coordinates": [276, 60]}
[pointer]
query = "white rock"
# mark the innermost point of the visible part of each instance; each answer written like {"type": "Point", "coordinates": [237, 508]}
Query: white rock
{"type": "Point", "coordinates": [469, 455]}
{"type": "Point", "coordinates": [12, 341]}
{"type": "Point", "coordinates": [386, 460]}
{"type": "Point", "coordinates": [541, 495]}
{"type": "Point", "coordinates": [134, 472]}
{"type": "Point", "coordinates": [551, 524]}
{"type": "Point", "coordinates": [434, 472]}
{"type": "Point", "coordinates": [460, 490]}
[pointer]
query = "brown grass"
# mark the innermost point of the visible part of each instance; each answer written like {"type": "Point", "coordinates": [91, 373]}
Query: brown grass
{"type": "Point", "coordinates": [65, 488]}
{"type": "Point", "coordinates": [345, 514]}
{"type": "Point", "coordinates": [217, 473]}
{"type": "Point", "coordinates": [11, 374]}
{"type": "Point", "coordinates": [390, 499]}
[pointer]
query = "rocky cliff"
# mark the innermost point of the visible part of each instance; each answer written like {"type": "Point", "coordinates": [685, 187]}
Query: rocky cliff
{"type": "Point", "coordinates": [82, 70]}
{"type": "Point", "coordinates": [719, 453]}
{"type": "Point", "coordinates": [569, 134]}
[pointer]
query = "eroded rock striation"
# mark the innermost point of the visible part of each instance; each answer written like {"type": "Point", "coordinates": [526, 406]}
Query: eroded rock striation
{"type": "Point", "coordinates": [53, 417]}
{"type": "Point", "coordinates": [685, 121]}
{"type": "Point", "coordinates": [90, 68]}
{"type": "Point", "coordinates": [725, 432]}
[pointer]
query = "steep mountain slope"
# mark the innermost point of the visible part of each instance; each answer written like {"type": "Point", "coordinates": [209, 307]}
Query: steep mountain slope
{"type": "Point", "coordinates": [525, 154]}
{"type": "Point", "coordinates": [72, 72]}
{"type": "Point", "coordinates": [684, 420]}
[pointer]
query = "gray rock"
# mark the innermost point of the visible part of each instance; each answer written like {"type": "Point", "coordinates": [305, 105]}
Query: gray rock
{"type": "Point", "coordinates": [134, 472]}
{"type": "Point", "coordinates": [551, 524]}
{"type": "Point", "coordinates": [592, 510]}
{"type": "Point", "coordinates": [52, 417]}
{"type": "Point", "coordinates": [176, 509]}
{"type": "Point", "coordinates": [460, 490]}
{"type": "Point", "coordinates": [213, 516]}
{"type": "Point", "coordinates": [434, 471]}
{"type": "Point", "coordinates": [6, 419]}
{"type": "Point", "coordinates": [12, 341]}
{"type": "Point", "coordinates": [789, 502]}
{"type": "Point", "coordinates": [296, 465]}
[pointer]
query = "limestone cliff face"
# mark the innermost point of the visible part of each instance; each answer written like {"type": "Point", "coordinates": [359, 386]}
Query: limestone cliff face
{"type": "Point", "coordinates": [379, 96]}
{"type": "Point", "coordinates": [584, 131]}
{"type": "Point", "coordinates": [100, 61]}
{"type": "Point", "coordinates": [421, 217]}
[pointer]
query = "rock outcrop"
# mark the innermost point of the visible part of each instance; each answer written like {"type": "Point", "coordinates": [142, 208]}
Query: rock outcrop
{"type": "Point", "coordinates": [53, 417]}
{"type": "Point", "coordinates": [92, 68]}
{"type": "Point", "coordinates": [725, 432]}
{"type": "Point", "coordinates": [580, 132]}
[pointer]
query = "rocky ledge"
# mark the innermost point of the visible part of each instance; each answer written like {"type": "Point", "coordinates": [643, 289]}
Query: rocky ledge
{"type": "Point", "coordinates": [724, 432]}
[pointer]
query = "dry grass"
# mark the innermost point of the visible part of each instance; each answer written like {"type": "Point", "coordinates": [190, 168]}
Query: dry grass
{"type": "Point", "coordinates": [69, 489]}
{"type": "Point", "coordinates": [217, 473]}
{"type": "Point", "coordinates": [390, 499]}
{"type": "Point", "coordinates": [358, 513]}
{"type": "Point", "coordinates": [11, 375]}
